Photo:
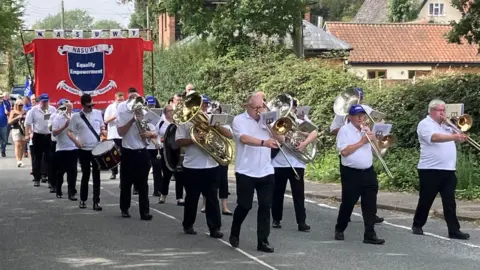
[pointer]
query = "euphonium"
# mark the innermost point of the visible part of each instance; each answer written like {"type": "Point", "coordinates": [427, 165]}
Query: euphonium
{"type": "Point", "coordinates": [213, 142]}
{"type": "Point", "coordinates": [287, 126]}
{"type": "Point", "coordinates": [136, 105]}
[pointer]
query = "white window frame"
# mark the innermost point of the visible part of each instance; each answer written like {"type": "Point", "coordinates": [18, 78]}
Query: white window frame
{"type": "Point", "coordinates": [440, 7]}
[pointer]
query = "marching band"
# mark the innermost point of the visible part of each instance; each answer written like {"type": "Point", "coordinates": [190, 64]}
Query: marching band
{"type": "Point", "coordinates": [187, 144]}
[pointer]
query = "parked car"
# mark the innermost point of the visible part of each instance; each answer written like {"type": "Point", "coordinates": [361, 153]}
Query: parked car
{"type": "Point", "coordinates": [17, 91]}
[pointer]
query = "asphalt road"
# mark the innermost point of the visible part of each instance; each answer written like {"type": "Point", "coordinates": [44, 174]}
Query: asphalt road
{"type": "Point", "coordinates": [39, 231]}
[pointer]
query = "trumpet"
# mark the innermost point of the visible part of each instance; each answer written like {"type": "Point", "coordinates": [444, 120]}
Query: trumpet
{"type": "Point", "coordinates": [461, 124]}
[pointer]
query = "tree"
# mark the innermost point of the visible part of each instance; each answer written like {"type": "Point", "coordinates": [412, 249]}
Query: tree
{"type": "Point", "coordinates": [468, 28]}
{"type": "Point", "coordinates": [237, 22]}
{"type": "Point", "coordinates": [334, 10]}
{"type": "Point", "coordinates": [11, 12]}
{"type": "Point", "coordinates": [403, 10]}
{"type": "Point", "coordinates": [106, 24]}
{"type": "Point", "coordinates": [73, 19]}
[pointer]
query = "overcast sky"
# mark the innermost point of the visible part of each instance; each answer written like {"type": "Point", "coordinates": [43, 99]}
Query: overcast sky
{"type": "Point", "coordinates": [99, 9]}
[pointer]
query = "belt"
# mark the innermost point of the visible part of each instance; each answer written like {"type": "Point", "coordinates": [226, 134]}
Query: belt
{"type": "Point", "coordinates": [359, 170]}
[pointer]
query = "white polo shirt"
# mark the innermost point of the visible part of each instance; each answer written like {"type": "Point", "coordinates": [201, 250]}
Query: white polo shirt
{"type": "Point", "coordinates": [279, 160]}
{"type": "Point", "coordinates": [83, 133]}
{"type": "Point", "coordinates": [50, 124]}
{"type": "Point", "coordinates": [252, 161]}
{"type": "Point", "coordinates": [195, 157]}
{"type": "Point", "coordinates": [162, 129]}
{"type": "Point", "coordinates": [435, 155]}
{"type": "Point", "coordinates": [339, 121]}
{"type": "Point", "coordinates": [64, 143]}
{"type": "Point", "coordinates": [36, 118]}
{"type": "Point", "coordinates": [360, 159]}
{"type": "Point", "coordinates": [131, 139]}
{"type": "Point", "coordinates": [110, 112]}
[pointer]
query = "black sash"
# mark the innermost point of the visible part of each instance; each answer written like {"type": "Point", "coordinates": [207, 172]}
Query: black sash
{"type": "Point", "coordinates": [82, 115]}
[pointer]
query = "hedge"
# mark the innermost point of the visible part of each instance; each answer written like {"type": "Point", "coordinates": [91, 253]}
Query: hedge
{"type": "Point", "coordinates": [315, 83]}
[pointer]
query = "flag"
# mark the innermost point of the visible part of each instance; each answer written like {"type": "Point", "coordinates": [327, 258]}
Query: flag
{"type": "Point", "coordinates": [28, 90]}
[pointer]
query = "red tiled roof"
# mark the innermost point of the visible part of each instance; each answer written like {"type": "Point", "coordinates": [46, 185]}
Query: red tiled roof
{"type": "Point", "coordinates": [402, 43]}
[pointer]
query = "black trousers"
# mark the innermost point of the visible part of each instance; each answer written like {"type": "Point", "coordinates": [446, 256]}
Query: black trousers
{"type": "Point", "coordinates": [223, 186]}
{"type": "Point", "coordinates": [246, 187]}
{"type": "Point", "coordinates": [118, 142]}
{"type": "Point", "coordinates": [157, 169]}
{"type": "Point", "coordinates": [53, 165]}
{"type": "Point", "coordinates": [204, 181]}
{"type": "Point", "coordinates": [66, 163]}
{"type": "Point", "coordinates": [358, 183]}
{"type": "Point", "coordinates": [167, 176]}
{"type": "Point", "coordinates": [42, 144]}
{"type": "Point", "coordinates": [140, 160]}
{"type": "Point", "coordinates": [86, 160]}
{"type": "Point", "coordinates": [433, 182]}
{"type": "Point", "coordinates": [282, 176]}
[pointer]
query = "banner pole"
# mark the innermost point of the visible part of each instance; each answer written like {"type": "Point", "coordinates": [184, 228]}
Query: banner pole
{"type": "Point", "coordinates": [153, 64]}
{"type": "Point", "coordinates": [26, 56]}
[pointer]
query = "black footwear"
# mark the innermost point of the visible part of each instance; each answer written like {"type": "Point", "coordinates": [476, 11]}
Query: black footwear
{"type": "Point", "coordinates": [180, 203]}
{"type": "Point", "coordinates": [82, 205]}
{"type": "Point", "coordinates": [52, 190]}
{"type": "Point", "coordinates": [44, 179]}
{"type": "Point", "coordinates": [125, 214]}
{"type": "Point", "coordinates": [146, 217]}
{"type": "Point", "coordinates": [304, 227]}
{"type": "Point", "coordinates": [59, 196]}
{"type": "Point", "coordinates": [190, 231]}
{"type": "Point", "coordinates": [265, 247]}
{"type": "Point", "coordinates": [276, 224]}
{"type": "Point", "coordinates": [156, 194]}
{"type": "Point", "coordinates": [72, 197]}
{"type": "Point", "coordinates": [97, 207]}
{"type": "Point", "coordinates": [216, 234]}
{"type": "Point", "coordinates": [36, 183]}
{"type": "Point", "coordinates": [459, 235]}
{"type": "Point", "coordinates": [234, 241]}
{"type": "Point", "coordinates": [227, 213]}
{"type": "Point", "coordinates": [339, 236]}
{"type": "Point", "coordinates": [373, 240]}
{"type": "Point", "coordinates": [113, 176]}
{"type": "Point", "coordinates": [378, 219]}
{"type": "Point", "coordinates": [417, 230]}
{"type": "Point", "coordinates": [4, 154]}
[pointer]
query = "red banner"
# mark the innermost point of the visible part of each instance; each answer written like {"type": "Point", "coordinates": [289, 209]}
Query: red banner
{"type": "Point", "coordinates": [68, 68]}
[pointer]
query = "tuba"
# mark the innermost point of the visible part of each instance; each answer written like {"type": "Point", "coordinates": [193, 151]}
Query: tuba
{"type": "Point", "coordinates": [214, 143]}
{"type": "Point", "coordinates": [287, 126]}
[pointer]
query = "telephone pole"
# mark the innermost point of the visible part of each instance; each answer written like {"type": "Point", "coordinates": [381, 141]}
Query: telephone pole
{"type": "Point", "coordinates": [63, 16]}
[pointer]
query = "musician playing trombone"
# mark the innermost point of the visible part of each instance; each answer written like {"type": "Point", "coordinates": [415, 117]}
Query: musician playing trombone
{"type": "Point", "coordinates": [283, 174]}
{"type": "Point", "coordinates": [436, 169]}
{"type": "Point", "coordinates": [358, 176]}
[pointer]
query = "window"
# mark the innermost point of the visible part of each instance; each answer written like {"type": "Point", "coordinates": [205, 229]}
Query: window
{"type": "Point", "coordinates": [376, 74]}
{"type": "Point", "coordinates": [411, 74]}
{"type": "Point", "coordinates": [436, 9]}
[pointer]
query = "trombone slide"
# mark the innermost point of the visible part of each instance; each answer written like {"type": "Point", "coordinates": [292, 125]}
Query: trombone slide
{"type": "Point", "coordinates": [377, 152]}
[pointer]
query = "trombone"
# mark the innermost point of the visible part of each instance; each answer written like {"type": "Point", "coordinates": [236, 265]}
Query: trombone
{"type": "Point", "coordinates": [342, 104]}
{"type": "Point", "coordinates": [462, 124]}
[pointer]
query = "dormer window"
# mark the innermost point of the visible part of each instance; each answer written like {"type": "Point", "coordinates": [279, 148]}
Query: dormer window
{"type": "Point", "coordinates": [437, 9]}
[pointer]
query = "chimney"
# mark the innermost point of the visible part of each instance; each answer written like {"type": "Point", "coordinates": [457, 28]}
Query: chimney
{"type": "Point", "coordinates": [308, 15]}
{"type": "Point", "coordinates": [320, 22]}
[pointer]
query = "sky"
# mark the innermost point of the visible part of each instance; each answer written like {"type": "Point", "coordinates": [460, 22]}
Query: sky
{"type": "Point", "coordinates": [99, 9]}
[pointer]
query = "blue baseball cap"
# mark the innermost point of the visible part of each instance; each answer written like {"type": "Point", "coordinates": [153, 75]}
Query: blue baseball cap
{"type": "Point", "coordinates": [150, 100]}
{"type": "Point", "coordinates": [356, 109]}
{"type": "Point", "coordinates": [62, 101]}
{"type": "Point", "coordinates": [360, 91]}
{"type": "Point", "coordinates": [205, 99]}
{"type": "Point", "coordinates": [44, 97]}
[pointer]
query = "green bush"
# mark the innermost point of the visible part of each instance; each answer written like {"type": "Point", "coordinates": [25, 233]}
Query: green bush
{"type": "Point", "coordinates": [232, 77]}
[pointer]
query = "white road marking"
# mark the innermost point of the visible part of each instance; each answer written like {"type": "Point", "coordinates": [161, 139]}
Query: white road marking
{"type": "Point", "coordinates": [223, 241]}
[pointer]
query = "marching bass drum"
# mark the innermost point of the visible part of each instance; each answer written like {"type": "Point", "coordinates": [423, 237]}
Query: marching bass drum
{"type": "Point", "coordinates": [107, 155]}
{"type": "Point", "coordinates": [171, 151]}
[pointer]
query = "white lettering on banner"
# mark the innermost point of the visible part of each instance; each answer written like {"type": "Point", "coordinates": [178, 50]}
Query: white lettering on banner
{"type": "Point", "coordinates": [108, 49]}
{"type": "Point", "coordinates": [85, 72]}
{"type": "Point", "coordinates": [86, 65]}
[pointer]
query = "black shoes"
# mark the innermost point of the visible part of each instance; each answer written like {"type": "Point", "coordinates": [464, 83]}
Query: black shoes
{"type": "Point", "coordinates": [417, 230]}
{"type": "Point", "coordinates": [82, 205]}
{"type": "Point", "coordinates": [265, 247]}
{"type": "Point", "coordinates": [190, 231]}
{"type": "Point", "coordinates": [36, 183]}
{"type": "Point", "coordinates": [97, 207]}
{"type": "Point", "coordinates": [146, 217]}
{"type": "Point", "coordinates": [276, 224]}
{"type": "Point", "coordinates": [459, 235]}
{"type": "Point", "coordinates": [339, 236]}
{"type": "Point", "coordinates": [125, 214]}
{"type": "Point", "coordinates": [373, 240]}
{"type": "Point", "coordinates": [216, 234]}
{"type": "Point", "coordinates": [378, 219]}
{"type": "Point", "coordinates": [72, 197]}
{"type": "Point", "coordinates": [303, 227]}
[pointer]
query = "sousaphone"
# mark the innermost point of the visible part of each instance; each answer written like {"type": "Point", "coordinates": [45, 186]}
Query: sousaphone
{"type": "Point", "coordinates": [171, 151]}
